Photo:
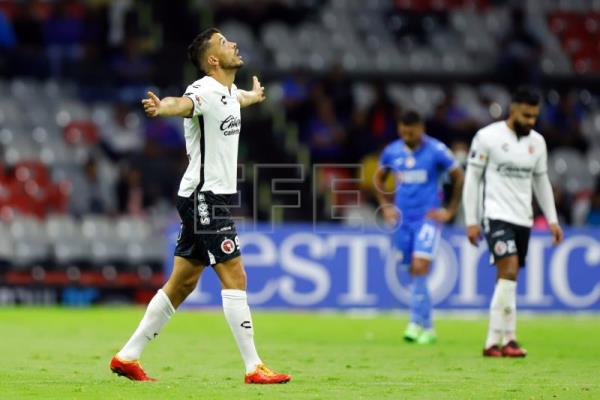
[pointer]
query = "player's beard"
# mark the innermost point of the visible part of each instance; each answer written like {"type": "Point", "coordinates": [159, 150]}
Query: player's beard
{"type": "Point", "coordinates": [521, 129]}
{"type": "Point", "coordinates": [235, 63]}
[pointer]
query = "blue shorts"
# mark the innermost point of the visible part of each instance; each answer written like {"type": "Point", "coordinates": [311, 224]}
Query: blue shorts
{"type": "Point", "coordinates": [417, 239]}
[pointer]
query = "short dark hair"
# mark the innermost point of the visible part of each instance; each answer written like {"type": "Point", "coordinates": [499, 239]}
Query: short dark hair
{"type": "Point", "coordinates": [526, 95]}
{"type": "Point", "coordinates": [411, 118]}
{"type": "Point", "coordinates": [198, 47]}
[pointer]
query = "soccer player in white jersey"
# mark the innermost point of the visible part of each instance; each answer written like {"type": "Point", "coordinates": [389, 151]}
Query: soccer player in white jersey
{"type": "Point", "coordinates": [211, 108]}
{"type": "Point", "coordinates": [510, 159]}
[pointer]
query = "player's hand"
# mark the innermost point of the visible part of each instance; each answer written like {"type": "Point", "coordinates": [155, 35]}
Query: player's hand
{"type": "Point", "coordinates": [151, 105]}
{"type": "Point", "coordinates": [390, 214]}
{"type": "Point", "coordinates": [440, 215]}
{"type": "Point", "coordinates": [258, 90]}
{"type": "Point", "coordinates": [557, 234]}
{"type": "Point", "coordinates": [474, 234]}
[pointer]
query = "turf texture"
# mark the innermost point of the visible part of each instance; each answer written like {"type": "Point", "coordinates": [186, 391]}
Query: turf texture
{"type": "Point", "coordinates": [53, 353]}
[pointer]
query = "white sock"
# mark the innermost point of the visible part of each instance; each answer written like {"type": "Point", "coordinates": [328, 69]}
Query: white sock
{"type": "Point", "coordinates": [509, 309]}
{"type": "Point", "coordinates": [237, 314]}
{"type": "Point", "coordinates": [158, 312]}
{"type": "Point", "coordinates": [496, 326]}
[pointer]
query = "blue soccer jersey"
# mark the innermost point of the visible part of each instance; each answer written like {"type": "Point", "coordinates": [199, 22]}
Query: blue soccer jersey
{"type": "Point", "coordinates": [417, 175]}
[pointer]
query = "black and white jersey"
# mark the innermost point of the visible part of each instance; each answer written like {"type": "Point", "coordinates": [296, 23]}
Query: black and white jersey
{"type": "Point", "coordinates": [211, 138]}
{"type": "Point", "coordinates": [509, 164]}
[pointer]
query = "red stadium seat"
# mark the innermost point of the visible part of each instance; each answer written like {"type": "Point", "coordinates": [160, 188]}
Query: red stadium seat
{"type": "Point", "coordinates": [36, 170]}
{"type": "Point", "coordinates": [81, 132]}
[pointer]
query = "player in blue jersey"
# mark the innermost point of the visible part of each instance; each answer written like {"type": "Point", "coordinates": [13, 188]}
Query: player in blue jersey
{"type": "Point", "coordinates": [419, 164]}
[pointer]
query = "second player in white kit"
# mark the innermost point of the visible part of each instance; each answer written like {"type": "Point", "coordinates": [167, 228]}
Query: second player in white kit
{"type": "Point", "coordinates": [507, 164]}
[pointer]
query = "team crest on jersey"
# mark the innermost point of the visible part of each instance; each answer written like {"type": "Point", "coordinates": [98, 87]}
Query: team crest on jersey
{"type": "Point", "coordinates": [531, 149]}
{"type": "Point", "coordinates": [505, 147]}
{"type": "Point", "coordinates": [227, 246]}
{"type": "Point", "coordinates": [410, 162]}
{"type": "Point", "coordinates": [500, 248]}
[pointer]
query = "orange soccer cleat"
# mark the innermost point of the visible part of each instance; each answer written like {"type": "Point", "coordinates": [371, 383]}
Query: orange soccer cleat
{"type": "Point", "coordinates": [492, 351]}
{"type": "Point", "coordinates": [129, 369]}
{"type": "Point", "coordinates": [264, 375]}
{"type": "Point", "coordinates": [512, 349]}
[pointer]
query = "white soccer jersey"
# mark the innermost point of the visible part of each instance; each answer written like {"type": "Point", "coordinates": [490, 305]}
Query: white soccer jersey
{"type": "Point", "coordinates": [509, 165]}
{"type": "Point", "coordinates": [211, 138]}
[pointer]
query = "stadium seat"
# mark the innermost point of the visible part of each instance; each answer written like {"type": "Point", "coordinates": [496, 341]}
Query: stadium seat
{"type": "Point", "coordinates": [569, 170]}
{"type": "Point", "coordinates": [96, 227]}
{"type": "Point", "coordinates": [71, 251]}
{"type": "Point", "coordinates": [593, 161]}
{"type": "Point", "coordinates": [30, 244]}
{"type": "Point", "coordinates": [108, 251]}
{"type": "Point", "coordinates": [6, 246]}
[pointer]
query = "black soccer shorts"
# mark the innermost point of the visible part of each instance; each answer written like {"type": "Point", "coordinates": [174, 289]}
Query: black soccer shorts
{"type": "Point", "coordinates": [505, 239]}
{"type": "Point", "coordinates": [207, 230]}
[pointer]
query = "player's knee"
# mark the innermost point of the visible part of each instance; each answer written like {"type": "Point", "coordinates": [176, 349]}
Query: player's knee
{"type": "Point", "coordinates": [509, 273]}
{"type": "Point", "coordinates": [233, 275]}
{"type": "Point", "coordinates": [419, 267]}
{"type": "Point", "coordinates": [187, 287]}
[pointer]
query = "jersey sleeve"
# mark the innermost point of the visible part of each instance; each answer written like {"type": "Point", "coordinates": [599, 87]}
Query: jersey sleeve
{"type": "Point", "coordinates": [541, 165]}
{"type": "Point", "coordinates": [444, 157]}
{"type": "Point", "coordinates": [479, 153]}
{"type": "Point", "coordinates": [198, 95]}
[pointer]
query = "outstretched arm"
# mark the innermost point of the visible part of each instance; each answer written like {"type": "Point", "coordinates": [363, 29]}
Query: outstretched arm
{"type": "Point", "coordinates": [167, 107]}
{"type": "Point", "coordinates": [256, 95]}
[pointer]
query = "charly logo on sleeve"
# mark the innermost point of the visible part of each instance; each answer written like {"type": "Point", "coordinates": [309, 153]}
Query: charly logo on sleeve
{"type": "Point", "coordinates": [231, 125]}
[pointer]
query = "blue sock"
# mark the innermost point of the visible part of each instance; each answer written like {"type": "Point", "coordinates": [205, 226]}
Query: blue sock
{"type": "Point", "coordinates": [420, 305]}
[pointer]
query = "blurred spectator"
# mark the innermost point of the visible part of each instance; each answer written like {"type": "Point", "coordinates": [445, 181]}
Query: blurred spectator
{"type": "Point", "coordinates": [451, 121]}
{"type": "Point", "coordinates": [561, 123]}
{"type": "Point", "coordinates": [325, 134]}
{"type": "Point", "coordinates": [122, 136]}
{"type": "Point", "coordinates": [63, 36]}
{"type": "Point", "coordinates": [359, 141]}
{"type": "Point", "coordinates": [166, 133]}
{"type": "Point", "coordinates": [480, 111]}
{"type": "Point", "coordinates": [593, 217]}
{"type": "Point", "coordinates": [94, 193]}
{"type": "Point", "coordinates": [339, 88]}
{"type": "Point", "coordinates": [381, 118]}
{"type": "Point", "coordinates": [30, 59]}
{"type": "Point", "coordinates": [8, 40]}
{"type": "Point", "coordinates": [296, 96]}
{"type": "Point", "coordinates": [132, 70]}
{"type": "Point", "coordinates": [437, 125]}
{"type": "Point", "coordinates": [462, 125]}
{"type": "Point", "coordinates": [130, 193]}
{"type": "Point", "coordinates": [520, 53]}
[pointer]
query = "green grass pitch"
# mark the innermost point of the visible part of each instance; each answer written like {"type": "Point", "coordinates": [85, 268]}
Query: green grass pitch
{"type": "Point", "coordinates": [51, 353]}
